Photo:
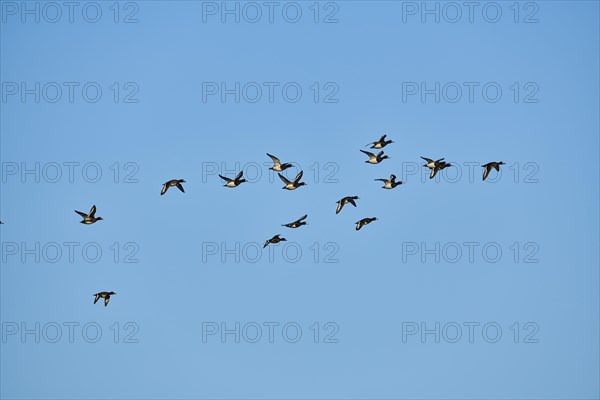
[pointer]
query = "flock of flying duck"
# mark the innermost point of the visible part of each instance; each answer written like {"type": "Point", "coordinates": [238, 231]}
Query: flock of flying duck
{"type": "Point", "coordinates": [434, 165]}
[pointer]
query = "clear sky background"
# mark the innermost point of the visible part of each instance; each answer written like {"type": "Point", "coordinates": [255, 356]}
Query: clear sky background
{"type": "Point", "coordinates": [377, 289]}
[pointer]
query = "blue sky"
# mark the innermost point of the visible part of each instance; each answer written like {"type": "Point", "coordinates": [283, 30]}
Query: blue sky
{"type": "Point", "coordinates": [367, 290]}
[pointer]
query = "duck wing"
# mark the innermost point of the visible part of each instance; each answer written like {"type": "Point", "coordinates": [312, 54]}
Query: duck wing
{"type": "Point", "coordinates": [276, 160]}
{"type": "Point", "coordinates": [371, 155]}
{"type": "Point", "coordinates": [298, 177]}
{"type": "Point", "coordinates": [284, 179]}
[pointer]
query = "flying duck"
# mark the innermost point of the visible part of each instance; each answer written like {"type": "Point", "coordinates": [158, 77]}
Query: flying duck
{"type": "Point", "coordinates": [171, 183]}
{"type": "Point", "coordinates": [439, 167]}
{"type": "Point", "coordinates": [89, 218]}
{"type": "Point", "coordinates": [292, 185]}
{"type": "Point", "coordinates": [488, 167]}
{"type": "Point", "coordinates": [435, 166]}
{"type": "Point", "coordinates": [1, 223]}
{"type": "Point", "coordinates": [104, 295]}
{"type": "Point", "coordinates": [342, 202]}
{"type": "Point", "coordinates": [390, 183]}
{"type": "Point", "coordinates": [297, 223]}
{"type": "Point", "coordinates": [375, 159]}
{"type": "Point", "coordinates": [275, 239]}
{"type": "Point", "coordinates": [363, 222]}
{"type": "Point", "coordinates": [277, 165]}
{"type": "Point", "coordinates": [231, 183]}
{"type": "Point", "coordinates": [381, 143]}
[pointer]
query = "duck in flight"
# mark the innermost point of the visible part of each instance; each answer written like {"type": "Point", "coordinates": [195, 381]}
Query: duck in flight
{"type": "Point", "coordinates": [289, 185]}
{"type": "Point", "coordinates": [231, 183]}
{"type": "Point", "coordinates": [435, 166]}
{"type": "Point", "coordinates": [277, 165]}
{"type": "Point", "coordinates": [103, 295]}
{"type": "Point", "coordinates": [345, 200]}
{"type": "Point", "coordinates": [488, 167]}
{"type": "Point", "coordinates": [381, 143]}
{"type": "Point", "coordinates": [439, 167]}
{"type": "Point", "coordinates": [363, 222]}
{"type": "Point", "coordinates": [297, 223]}
{"type": "Point", "coordinates": [390, 183]}
{"type": "Point", "coordinates": [375, 159]}
{"type": "Point", "coordinates": [89, 218]}
{"type": "Point", "coordinates": [171, 183]}
{"type": "Point", "coordinates": [274, 240]}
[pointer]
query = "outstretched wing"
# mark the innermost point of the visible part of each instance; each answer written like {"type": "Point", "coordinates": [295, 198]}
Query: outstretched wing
{"type": "Point", "coordinates": [180, 187]}
{"type": "Point", "coordinates": [299, 176]}
{"type": "Point", "coordinates": [106, 300]}
{"type": "Point", "coordinates": [339, 207]}
{"type": "Point", "coordinates": [382, 139]}
{"type": "Point", "coordinates": [276, 160]}
{"type": "Point", "coordinates": [303, 218]}
{"type": "Point", "coordinates": [164, 189]}
{"type": "Point", "coordinates": [486, 172]}
{"type": "Point", "coordinates": [83, 215]}
{"type": "Point", "coordinates": [97, 297]}
{"type": "Point", "coordinates": [224, 178]}
{"type": "Point", "coordinates": [239, 176]}
{"type": "Point", "coordinates": [284, 179]}
{"type": "Point", "coordinates": [351, 201]}
{"type": "Point", "coordinates": [382, 180]}
{"type": "Point", "coordinates": [429, 160]}
{"type": "Point", "coordinates": [368, 153]}
{"type": "Point", "coordinates": [93, 211]}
